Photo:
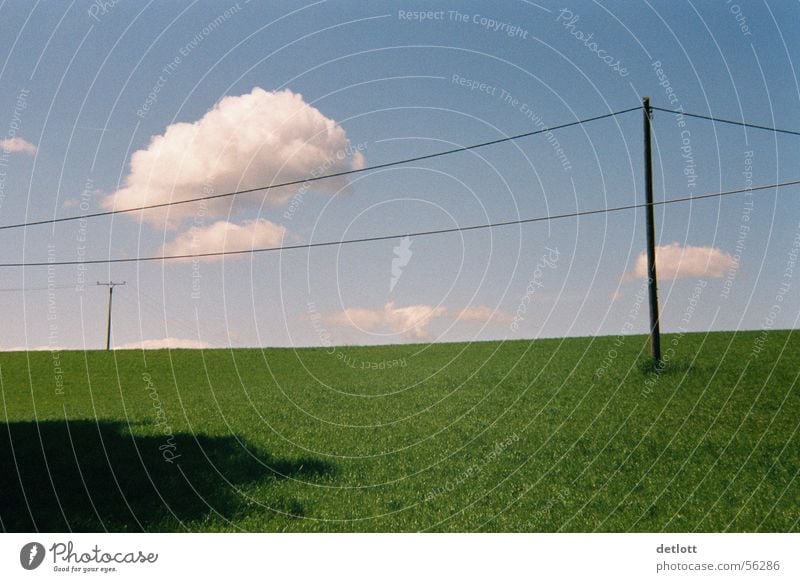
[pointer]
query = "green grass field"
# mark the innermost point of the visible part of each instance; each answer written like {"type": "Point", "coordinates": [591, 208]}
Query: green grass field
{"type": "Point", "coordinates": [550, 435]}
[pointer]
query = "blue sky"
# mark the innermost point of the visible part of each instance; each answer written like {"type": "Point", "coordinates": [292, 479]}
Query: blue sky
{"type": "Point", "coordinates": [89, 84]}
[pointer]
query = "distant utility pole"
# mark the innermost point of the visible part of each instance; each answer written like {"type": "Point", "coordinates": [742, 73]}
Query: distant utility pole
{"type": "Point", "coordinates": [110, 285]}
{"type": "Point", "coordinates": [652, 281]}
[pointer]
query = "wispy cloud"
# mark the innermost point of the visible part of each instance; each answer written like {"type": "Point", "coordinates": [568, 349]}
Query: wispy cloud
{"type": "Point", "coordinates": [17, 145]}
{"type": "Point", "coordinates": [226, 236]}
{"type": "Point", "coordinates": [164, 343]}
{"type": "Point", "coordinates": [410, 322]}
{"type": "Point", "coordinates": [40, 348]}
{"type": "Point", "coordinates": [484, 314]}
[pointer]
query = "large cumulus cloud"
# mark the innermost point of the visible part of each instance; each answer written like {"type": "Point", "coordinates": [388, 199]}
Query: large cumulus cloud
{"type": "Point", "coordinates": [246, 141]}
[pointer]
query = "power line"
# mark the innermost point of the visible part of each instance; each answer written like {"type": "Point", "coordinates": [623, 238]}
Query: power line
{"type": "Point", "coordinates": [379, 167]}
{"type": "Point", "coordinates": [718, 120]}
{"type": "Point", "coordinates": [403, 235]}
{"type": "Point", "coordinates": [315, 178]}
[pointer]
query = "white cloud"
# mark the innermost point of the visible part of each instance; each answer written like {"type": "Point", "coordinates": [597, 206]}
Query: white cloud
{"type": "Point", "coordinates": [411, 322]}
{"type": "Point", "coordinates": [243, 142]}
{"type": "Point", "coordinates": [164, 343]}
{"type": "Point", "coordinates": [17, 145]}
{"type": "Point", "coordinates": [484, 314]}
{"type": "Point", "coordinates": [35, 349]}
{"type": "Point", "coordinates": [674, 261]}
{"type": "Point", "coordinates": [226, 236]}
{"type": "Point", "coordinates": [150, 344]}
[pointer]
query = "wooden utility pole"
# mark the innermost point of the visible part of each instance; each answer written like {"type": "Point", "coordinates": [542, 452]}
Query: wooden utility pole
{"type": "Point", "coordinates": [652, 280]}
{"type": "Point", "coordinates": [110, 285]}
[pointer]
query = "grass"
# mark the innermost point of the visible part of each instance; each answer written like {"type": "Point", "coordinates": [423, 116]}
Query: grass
{"type": "Point", "coordinates": [550, 435]}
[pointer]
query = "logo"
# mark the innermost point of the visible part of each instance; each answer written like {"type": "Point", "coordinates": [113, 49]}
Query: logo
{"type": "Point", "coordinates": [31, 555]}
{"type": "Point", "coordinates": [402, 255]}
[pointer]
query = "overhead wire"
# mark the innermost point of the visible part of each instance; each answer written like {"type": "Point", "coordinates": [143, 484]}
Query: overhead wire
{"type": "Point", "coordinates": [312, 178]}
{"type": "Point", "coordinates": [728, 121]}
{"type": "Point", "coordinates": [492, 225]}
{"type": "Point", "coordinates": [383, 166]}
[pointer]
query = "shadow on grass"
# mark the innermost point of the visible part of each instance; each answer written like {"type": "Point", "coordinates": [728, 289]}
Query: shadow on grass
{"type": "Point", "coordinates": [648, 367]}
{"type": "Point", "coordinates": [58, 476]}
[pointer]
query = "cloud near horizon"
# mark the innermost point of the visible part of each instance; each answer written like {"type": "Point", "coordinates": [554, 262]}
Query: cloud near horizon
{"type": "Point", "coordinates": [17, 145]}
{"type": "Point", "coordinates": [149, 344]}
{"type": "Point", "coordinates": [410, 322]}
{"type": "Point", "coordinates": [674, 261]}
{"type": "Point", "coordinates": [165, 343]}
{"type": "Point", "coordinates": [226, 236]}
{"type": "Point", "coordinates": [484, 314]}
{"type": "Point", "coordinates": [245, 141]}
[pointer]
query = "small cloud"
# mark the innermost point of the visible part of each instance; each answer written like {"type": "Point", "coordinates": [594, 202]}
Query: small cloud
{"type": "Point", "coordinates": [243, 142]}
{"type": "Point", "coordinates": [34, 349]}
{"type": "Point", "coordinates": [226, 236]}
{"type": "Point", "coordinates": [411, 322]}
{"type": "Point", "coordinates": [165, 343]}
{"type": "Point", "coordinates": [674, 261]}
{"type": "Point", "coordinates": [483, 314]}
{"type": "Point", "coordinates": [17, 145]}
